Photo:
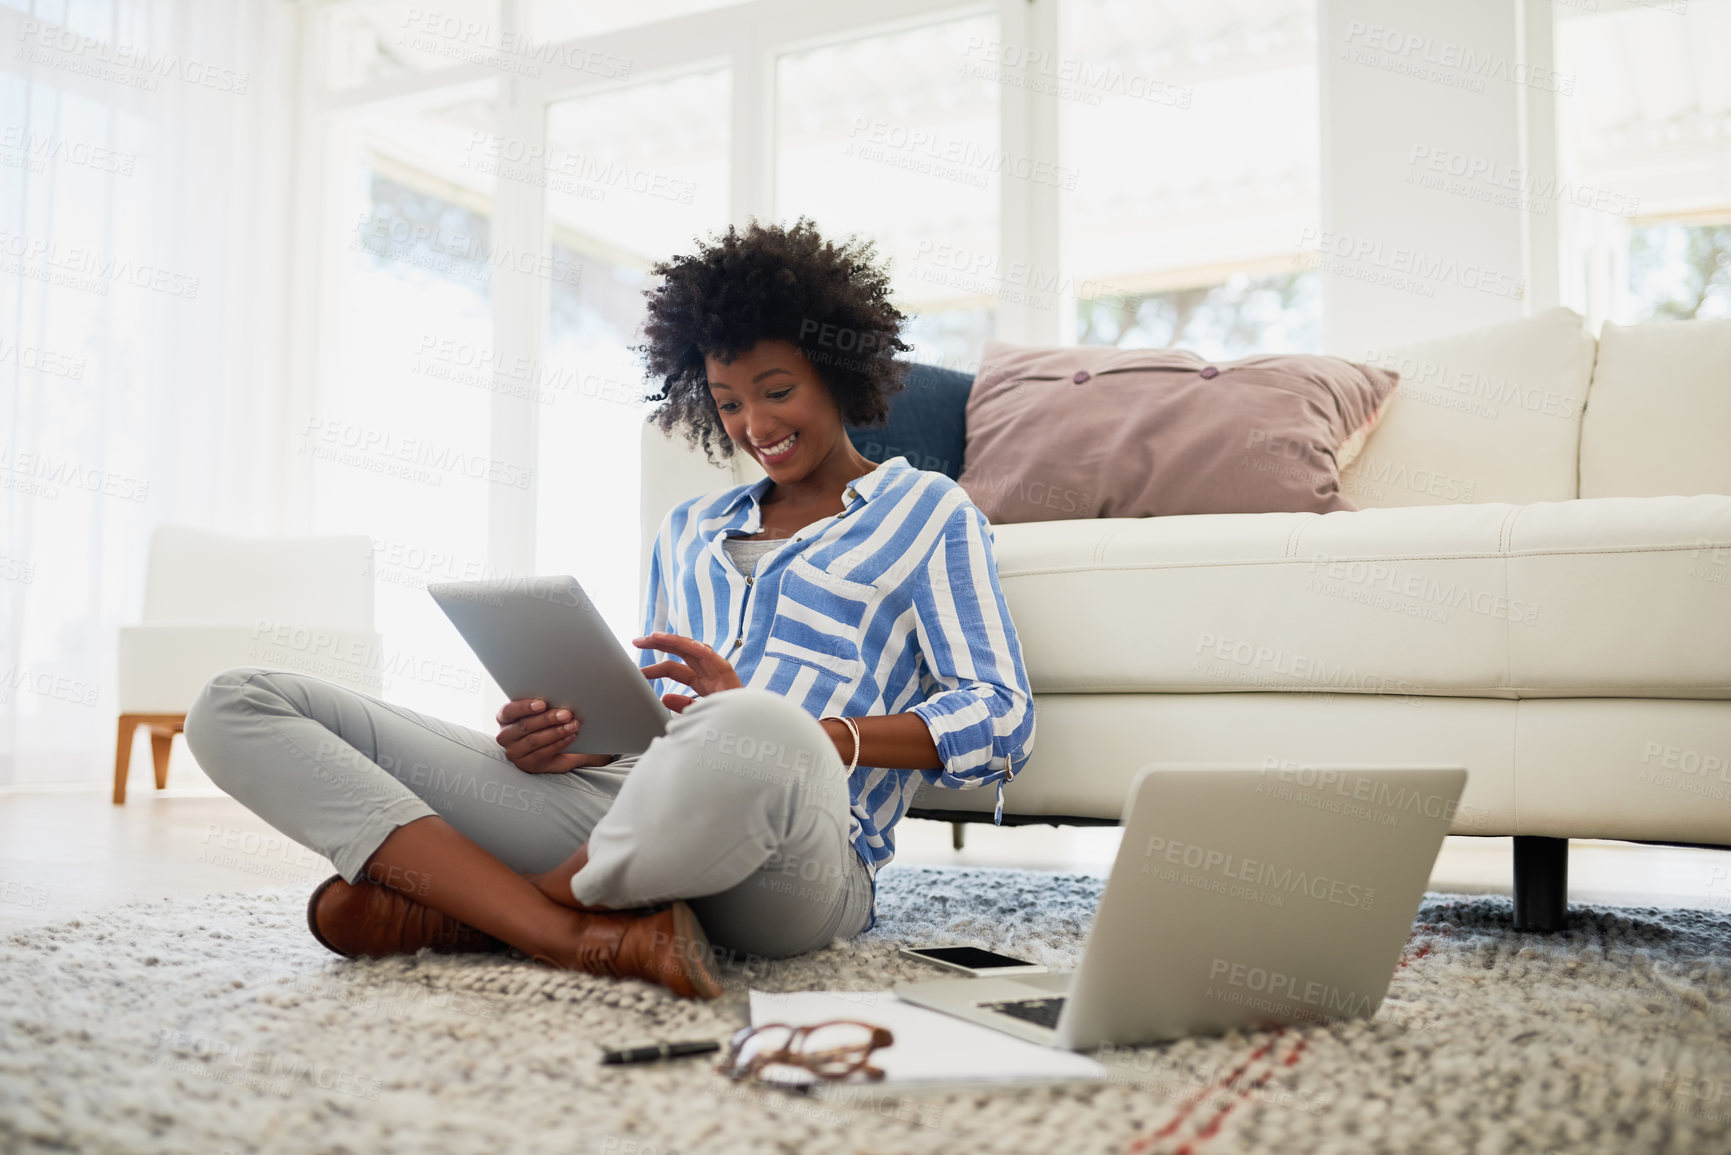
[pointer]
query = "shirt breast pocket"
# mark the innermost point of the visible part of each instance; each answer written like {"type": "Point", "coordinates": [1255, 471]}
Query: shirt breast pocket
{"type": "Point", "coordinates": [818, 618]}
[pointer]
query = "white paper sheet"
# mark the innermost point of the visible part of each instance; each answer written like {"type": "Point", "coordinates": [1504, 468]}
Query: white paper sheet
{"type": "Point", "coordinates": [931, 1048]}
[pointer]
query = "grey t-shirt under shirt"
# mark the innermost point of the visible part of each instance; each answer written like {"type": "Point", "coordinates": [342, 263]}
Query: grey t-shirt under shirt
{"type": "Point", "coordinates": [745, 553]}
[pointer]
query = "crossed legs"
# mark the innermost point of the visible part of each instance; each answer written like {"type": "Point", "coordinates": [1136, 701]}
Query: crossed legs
{"type": "Point", "coordinates": [741, 807]}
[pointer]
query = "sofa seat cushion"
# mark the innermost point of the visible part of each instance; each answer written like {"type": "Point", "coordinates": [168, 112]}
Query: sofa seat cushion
{"type": "Point", "coordinates": [1611, 597]}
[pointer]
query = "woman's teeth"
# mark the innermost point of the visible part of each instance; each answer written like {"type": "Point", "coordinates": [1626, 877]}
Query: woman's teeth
{"type": "Point", "coordinates": [780, 448]}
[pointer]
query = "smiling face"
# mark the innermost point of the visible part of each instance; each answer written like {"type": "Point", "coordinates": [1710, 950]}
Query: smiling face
{"type": "Point", "coordinates": [775, 407]}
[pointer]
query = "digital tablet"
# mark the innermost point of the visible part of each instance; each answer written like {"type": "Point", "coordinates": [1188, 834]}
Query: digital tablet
{"type": "Point", "coordinates": [542, 638]}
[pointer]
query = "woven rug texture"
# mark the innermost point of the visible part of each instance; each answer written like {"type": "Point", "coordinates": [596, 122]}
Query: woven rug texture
{"type": "Point", "coordinates": [219, 1025]}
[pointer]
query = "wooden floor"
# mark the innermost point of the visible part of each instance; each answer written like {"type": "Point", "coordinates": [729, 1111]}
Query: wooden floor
{"type": "Point", "coordinates": [66, 850]}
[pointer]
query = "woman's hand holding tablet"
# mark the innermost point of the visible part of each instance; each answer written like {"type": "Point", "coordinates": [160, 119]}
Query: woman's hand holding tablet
{"type": "Point", "coordinates": [533, 737]}
{"type": "Point", "coordinates": [550, 650]}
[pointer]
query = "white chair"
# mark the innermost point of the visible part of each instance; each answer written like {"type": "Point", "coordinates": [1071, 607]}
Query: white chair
{"type": "Point", "coordinates": [214, 601]}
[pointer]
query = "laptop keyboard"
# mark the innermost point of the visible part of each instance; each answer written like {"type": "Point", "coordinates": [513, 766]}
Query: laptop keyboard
{"type": "Point", "coordinates": [1040, 1012]}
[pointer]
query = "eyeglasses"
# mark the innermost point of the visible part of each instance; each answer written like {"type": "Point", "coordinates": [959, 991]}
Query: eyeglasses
{"type": "Point", "coordinates": [832, 1050]}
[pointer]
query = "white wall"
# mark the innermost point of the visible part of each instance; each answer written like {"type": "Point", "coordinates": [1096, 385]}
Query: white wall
{"type": "Point", "coordinates": [1465, 86]}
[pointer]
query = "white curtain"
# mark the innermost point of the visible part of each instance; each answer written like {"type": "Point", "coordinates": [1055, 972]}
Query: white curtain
{"type": "Point", "coordinates": [145, 182]}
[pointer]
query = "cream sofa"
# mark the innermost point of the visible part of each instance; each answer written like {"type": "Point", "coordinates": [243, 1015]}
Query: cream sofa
{"type": "Point", "coordinates": [1537, 586]}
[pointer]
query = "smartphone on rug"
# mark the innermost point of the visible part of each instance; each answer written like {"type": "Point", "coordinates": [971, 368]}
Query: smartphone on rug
{"type": "Point", "coordinates": [973, 960]}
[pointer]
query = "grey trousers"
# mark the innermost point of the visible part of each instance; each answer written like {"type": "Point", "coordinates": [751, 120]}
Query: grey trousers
{"type": "Point", "coordinates": [741, 807]}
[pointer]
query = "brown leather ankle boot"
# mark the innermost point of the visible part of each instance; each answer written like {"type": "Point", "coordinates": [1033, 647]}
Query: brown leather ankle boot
{"type": "Point", "coordinates": [662, 944]}
{"type": "Point", "coordinates": [366, 920]}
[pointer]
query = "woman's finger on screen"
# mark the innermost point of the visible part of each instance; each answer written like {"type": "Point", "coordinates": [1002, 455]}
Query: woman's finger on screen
{"type": "Point", "coordinates": [677, 644]}
{"type": "Point", "coordinates": [675, 671]}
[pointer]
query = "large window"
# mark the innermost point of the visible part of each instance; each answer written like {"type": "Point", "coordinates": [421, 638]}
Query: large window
{"type": "Point", "coordinates": [553, 21]}
{"type": "Point", "coordinates": [633, 176]}
{"type": "Point", "coordinates": [1177, 161]}
{"type": "Point", "coordinates": [395, 444]}
{"type": "Point", "coordinates": [1679, 271]}
{"type": "Point", "coordinates": [886, 137]}
{"type": "Point", "coordinates": [1642, 192]}
{"type": "Point", "coordinates": [1191, 133]}
{"type": "Point", "coordinates": [375, 40]}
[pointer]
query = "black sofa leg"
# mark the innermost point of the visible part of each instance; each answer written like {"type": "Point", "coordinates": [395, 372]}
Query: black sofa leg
{"type": "Point", "coordinates": [1541, 883]}
{"type": "Point", "coordinates": [958, 835]}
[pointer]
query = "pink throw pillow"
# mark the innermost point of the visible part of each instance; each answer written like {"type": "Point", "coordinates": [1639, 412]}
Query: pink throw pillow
{"type": "Point", "coordinates": [1086, 431]}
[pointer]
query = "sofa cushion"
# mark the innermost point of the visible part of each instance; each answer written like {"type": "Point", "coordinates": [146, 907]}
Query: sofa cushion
{"type": "Point", "coordinates": [1613, 597]}
{"type": "Point", "coordinates": [1659, 421]}
{"type": "Point", "coordinates": [927, 422]}
{"type": "Point", "coordinates": [1644, 769]}
{"type": "Point", "coordinates": [1072, 432]}
{"type": "Point", "coordinates": [1491, 415]}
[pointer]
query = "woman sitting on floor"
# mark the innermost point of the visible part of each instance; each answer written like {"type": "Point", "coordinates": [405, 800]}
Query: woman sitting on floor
{"type": "Point", "coordinates": [839, 626]}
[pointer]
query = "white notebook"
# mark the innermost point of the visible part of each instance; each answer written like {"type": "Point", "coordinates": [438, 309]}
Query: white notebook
{"type": "Point", "coordinates": [931, 1048]}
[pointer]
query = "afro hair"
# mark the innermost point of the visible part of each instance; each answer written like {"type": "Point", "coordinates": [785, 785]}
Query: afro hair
{"type": "Point", "coordinates": [771, 283]}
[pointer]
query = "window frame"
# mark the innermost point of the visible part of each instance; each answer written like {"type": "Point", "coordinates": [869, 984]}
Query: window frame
{"type": "Point", "coordinates": [747, 38]}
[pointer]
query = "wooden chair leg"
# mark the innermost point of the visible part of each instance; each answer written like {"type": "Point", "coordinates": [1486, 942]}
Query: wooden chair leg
{"type": "Point", "coordinates": [163, 728]}
{"type": "Point", "coordinates": [958, 835]}
{"type": "Point", "coordinates": [123, 755]}
{"type": "Point", "coordinates": [161, 744]}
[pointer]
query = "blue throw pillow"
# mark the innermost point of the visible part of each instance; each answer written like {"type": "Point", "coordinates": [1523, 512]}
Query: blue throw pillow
{"type": "Point", "coordinates": [927, 422]}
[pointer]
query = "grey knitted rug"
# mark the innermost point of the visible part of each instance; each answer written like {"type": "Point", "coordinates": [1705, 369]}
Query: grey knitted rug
{"type": "Point", "coordinates": [219, 1025]}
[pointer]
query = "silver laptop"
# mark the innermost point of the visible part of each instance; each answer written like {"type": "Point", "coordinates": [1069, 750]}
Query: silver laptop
{"type": "Point", "coordinates": [543, 638]}
{"type": "Point", "coordinates": [1241, 897]}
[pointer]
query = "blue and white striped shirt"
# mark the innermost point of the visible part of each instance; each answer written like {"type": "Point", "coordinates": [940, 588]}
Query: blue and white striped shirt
{"type": "Point", "coordinates": [891, 607]}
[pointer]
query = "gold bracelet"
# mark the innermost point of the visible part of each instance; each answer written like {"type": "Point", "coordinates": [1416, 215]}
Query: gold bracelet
{"type": "Point", "coordinates": [852, 729]}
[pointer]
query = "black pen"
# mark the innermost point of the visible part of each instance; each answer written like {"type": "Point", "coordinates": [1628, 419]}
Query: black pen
{"type": "Point", "coordinates": [660, 1051]}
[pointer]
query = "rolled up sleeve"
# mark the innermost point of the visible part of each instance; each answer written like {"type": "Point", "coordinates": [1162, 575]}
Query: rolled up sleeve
{"type": "Point", "coordinates": [980, 710]}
